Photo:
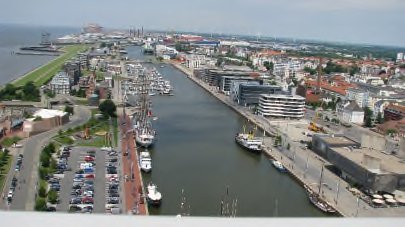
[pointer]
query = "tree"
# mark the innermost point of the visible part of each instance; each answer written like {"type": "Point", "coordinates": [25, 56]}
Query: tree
{"type": "Point", "coordinates": [379, 119]}
{"type": "Point", "coordinates": [309, 70]}
{"type": "Point", "coordinates": [108, 108]}
{"type": "Point", "coordinates": [391, 131]}
{"type": "Point", "coordinates": [368, 114]}
{"type": "Point", "coordinates": [40, 204]}
{"type": "Point", "coordinates": [30, 92]}
{"type": "Point", "coordinates": [43, 172]}
{"type": "Point", "coordinates": [52, 196]}
{"type": "Point", "coordinates": [42, 191]}
{"type": "Point", "coordinates": [269, 65]}
{"type": "Point", "coordinates": [69, 109]}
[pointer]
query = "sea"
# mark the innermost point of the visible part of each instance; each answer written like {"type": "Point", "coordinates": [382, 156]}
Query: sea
{"type": "Point", "coordinates": [13, 37]}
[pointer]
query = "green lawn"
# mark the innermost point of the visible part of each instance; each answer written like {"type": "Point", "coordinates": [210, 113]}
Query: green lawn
{"type": "Point", "coordinates": [96, 141]}
{"type": "Point", "coordinates": [64, 140]}
{"type": "Point", "coordinates": [7, 142]}
{"type": "Point", "coordinates": [43, 74]}
{"type": "Point", "coordinates": [115, 130]}
{"type": "Point", "coordinates": [4, 171]}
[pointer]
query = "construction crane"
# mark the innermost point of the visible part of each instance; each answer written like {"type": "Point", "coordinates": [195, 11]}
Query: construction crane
{"type": "Point", "coordinates": [313, 126]}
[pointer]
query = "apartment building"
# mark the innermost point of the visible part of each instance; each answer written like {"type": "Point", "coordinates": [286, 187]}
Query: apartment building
{"type": "Point", "coordinates": [60, 83]}
{"type": "Point", "coordinates": [284, 106]}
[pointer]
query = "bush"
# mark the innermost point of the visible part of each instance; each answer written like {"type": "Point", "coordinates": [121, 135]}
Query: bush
{"type": "Point", "coordinates": [40, 204]}
{"type": "Point", "coordinates": [42, 191]}
{"type": "Point", "coordinates": [43, 172]}
{"type": "Point", "coordinates": [53, 196]}
{"type": "Point", "coordinates": [45, 159]}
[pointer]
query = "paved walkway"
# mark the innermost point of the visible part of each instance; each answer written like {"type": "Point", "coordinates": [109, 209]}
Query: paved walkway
{"type": "Point", "coordinates": [133, 186]}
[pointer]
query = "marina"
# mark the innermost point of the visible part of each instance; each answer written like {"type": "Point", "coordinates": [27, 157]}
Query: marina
{"type": "Point", "coordinates": [195, 138]}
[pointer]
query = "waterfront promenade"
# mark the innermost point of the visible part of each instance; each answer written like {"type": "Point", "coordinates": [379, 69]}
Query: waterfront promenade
{"type": "Point", "coordinates": [304, 165]}
{"type": "Point", "coordinates": [133, 201]}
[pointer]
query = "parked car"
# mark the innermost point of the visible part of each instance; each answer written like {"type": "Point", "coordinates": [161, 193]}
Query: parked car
{"type": "Point", "coordinates": [80, 171]}
{"type": "Point", "coordinates": [89, 159]}
{"type": "Point", "coordinates": [90, 176]}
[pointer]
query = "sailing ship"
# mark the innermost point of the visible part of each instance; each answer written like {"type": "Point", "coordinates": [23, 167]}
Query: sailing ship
{"type": "Point", "coordinates": [249, 141]}
{"type": "Point", "coordinates": [228, 206]}
{"type": "Point", "coordinates": [184, 207]}
{"type": "Point", "coordinates": [142, 124]}
{"type": "Point", "coordinates": [315, 199]}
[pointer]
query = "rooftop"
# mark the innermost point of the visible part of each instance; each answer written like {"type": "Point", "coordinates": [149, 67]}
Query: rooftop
{"type": "Point", "coordinates": [47, 113]}
{"type": "Point", "coordinates": [388, 163]}
{"type": "Point", "coordinates": [339, 140]}
{"type": "Point", "coordinates": [284, 96]}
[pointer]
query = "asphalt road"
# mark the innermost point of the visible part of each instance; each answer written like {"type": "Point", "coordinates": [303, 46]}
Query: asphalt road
{"type": "Point", "coordinates": [24, 196]}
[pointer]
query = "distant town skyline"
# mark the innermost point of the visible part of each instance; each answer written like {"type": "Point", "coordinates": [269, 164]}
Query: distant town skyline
{"type": "Point", "coordinates": [360, 21]}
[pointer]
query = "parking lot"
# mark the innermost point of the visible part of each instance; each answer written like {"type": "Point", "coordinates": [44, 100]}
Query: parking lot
{"type": "Point", "coordinates": [92, 182]}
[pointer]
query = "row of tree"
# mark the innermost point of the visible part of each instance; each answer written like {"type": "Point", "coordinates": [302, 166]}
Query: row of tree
{"type": "Point", "coordinates": [28, 92]}
{"type": "Point", "coordinates": [47, 166]}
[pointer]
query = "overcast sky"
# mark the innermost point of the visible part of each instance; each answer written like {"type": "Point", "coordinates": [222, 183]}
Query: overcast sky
{"type": "Point", "coordinates": [357, 21]}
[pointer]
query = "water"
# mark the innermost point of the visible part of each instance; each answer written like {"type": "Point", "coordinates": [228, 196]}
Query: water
{"type": "Point", "coordinates": [12, 37]}
{"type": "Point", "coordinates": [195, 151]}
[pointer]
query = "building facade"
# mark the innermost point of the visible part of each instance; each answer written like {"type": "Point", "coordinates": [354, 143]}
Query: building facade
{"type": "Point", "coordinates": [394, 112]}
{"type": "Point", "coordinates": [249, 93]}
{"type": "Point", "coordinates": [358, 95]}
{"type": "Point", "coordinates": [370, 169]}
{"type": "Point", "coordinates": [60, 83]}
{"type": "Point", "coordinates": [284, 106]}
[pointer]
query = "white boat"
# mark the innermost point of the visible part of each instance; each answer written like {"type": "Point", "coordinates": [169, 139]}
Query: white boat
{"type": "Point", "coordinates": [144, 139]}
{"type": "Point", "coordinates": [154, 197]}
{"type": "Point", "coordinates": [145, 161]}
{"type": "Point", "coordinates": [249, 142]}
{"type": "Point", "coordinates": [278, 166]}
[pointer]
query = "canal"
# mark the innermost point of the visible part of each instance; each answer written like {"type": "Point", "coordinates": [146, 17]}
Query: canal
{"type": "Point", "coordinates": [195, 151]}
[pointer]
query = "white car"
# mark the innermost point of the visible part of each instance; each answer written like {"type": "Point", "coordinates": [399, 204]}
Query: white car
{"type": "Point", "coordinates": [106, 148]}
{"type": "Point", "coordinates": [10, 194]}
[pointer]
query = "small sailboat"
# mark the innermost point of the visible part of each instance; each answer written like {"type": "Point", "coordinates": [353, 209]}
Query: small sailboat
{"type": "Point", "coordinates": [184, 207]}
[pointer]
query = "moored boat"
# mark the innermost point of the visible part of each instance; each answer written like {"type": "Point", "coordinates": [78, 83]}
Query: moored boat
{"type": "Point", "coordinates": [318, 202]}
{"type": "Point", "coordinates": [249, 142]}
{"type": "Point", "coordinates": [145, 161]}
{"type": "Point", "coordinates": [153, 196]}
{"type": "Point", "coordinates": [278, 166]}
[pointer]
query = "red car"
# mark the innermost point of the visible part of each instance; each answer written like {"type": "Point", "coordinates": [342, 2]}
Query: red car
{"type": "Point", "coordinates": [87, 200]}
{"type": "Point", "coordinates": [89, 159]}
{"type": "Point", "coordinates": [90, 176]}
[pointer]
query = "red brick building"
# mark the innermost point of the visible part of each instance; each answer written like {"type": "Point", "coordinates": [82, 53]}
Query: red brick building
{"type": "Point", "coordinates": [394, 112]}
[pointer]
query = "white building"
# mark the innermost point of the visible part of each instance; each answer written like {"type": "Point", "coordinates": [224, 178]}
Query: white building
{"type": "Point", "coordinates": [286, 106]}
{"type": "Point", "coordinates": [400, 56]}
{"type": "Point", "coordinates": [358, 95]}
{"type": "Point", "coordinates": [351, 112]}
{"type": "Point", "coordinates": [60, 84]}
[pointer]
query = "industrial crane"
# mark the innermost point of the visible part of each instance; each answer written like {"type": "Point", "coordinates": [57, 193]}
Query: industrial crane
{"type": "Point", "coordinates": [313, 126]}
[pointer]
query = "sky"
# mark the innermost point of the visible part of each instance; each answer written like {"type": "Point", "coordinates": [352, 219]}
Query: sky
{"type": "Point", "coordinates": [354, 21]}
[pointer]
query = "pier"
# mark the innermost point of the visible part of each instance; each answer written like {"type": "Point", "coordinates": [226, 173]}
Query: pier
{"type": "Point", "coordinates": [303, 165]}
